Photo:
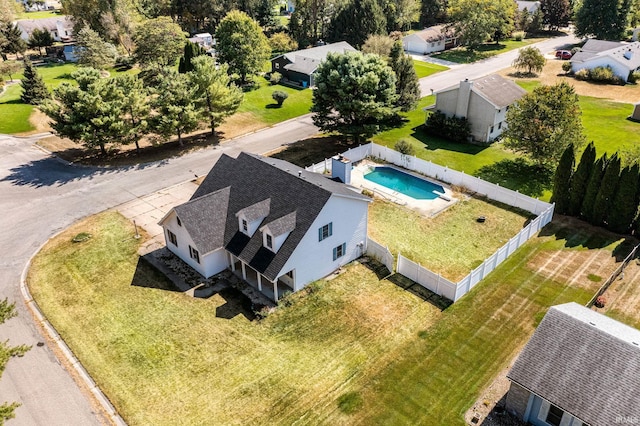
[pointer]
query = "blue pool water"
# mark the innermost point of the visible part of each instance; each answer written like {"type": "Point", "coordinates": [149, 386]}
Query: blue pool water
{"type": "Point", "coordinates": [404, 183]}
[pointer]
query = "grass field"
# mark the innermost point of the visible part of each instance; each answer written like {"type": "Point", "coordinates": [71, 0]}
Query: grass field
{"type": "Point", "coordinates": [452, 243]}
{"type": "Point", "coordinates": [355, 350]}
{"type": "Point", "coordinates": [261, 105]}
{"type": "Point", "coordinates": [41, 14]}
{"type": "Point", "coordinates": [425, 69]}
{"type": "Point", "coordinates": [463, 56]}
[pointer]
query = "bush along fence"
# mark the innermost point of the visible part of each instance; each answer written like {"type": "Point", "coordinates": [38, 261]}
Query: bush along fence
{"type": "Point", "coordinates": [421, 275]}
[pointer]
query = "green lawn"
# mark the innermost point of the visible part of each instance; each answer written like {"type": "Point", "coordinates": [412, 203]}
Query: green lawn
{"type": "Point", "coordinates": [463, 56]}
{"type": "Point", "coordinates": [260, 103]}
{"type": "Point", "coordinates": [425, 69]}
{"type": "Point", "coordinates": [39, 14]}
{"type": "Point", "coordinates": [16, 114]}
{"type": "Point", "coordinates": [605, 122]}
{"type": "Point", "coordinates": [354, 350]}
{"type": "Point", "coordinates": [428, 241]}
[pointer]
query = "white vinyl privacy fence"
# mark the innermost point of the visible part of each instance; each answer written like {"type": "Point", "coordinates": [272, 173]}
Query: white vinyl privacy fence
{"type": "Point", "coordinates": [420, 274]}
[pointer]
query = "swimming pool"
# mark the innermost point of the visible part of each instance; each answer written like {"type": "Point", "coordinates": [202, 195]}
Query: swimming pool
{"type": "Point", "coordinates": [404, 183]}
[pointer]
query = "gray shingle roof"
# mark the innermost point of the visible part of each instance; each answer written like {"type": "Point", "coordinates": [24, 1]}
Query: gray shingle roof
{"type": "Point", "coordinates": [250, 180]}
{"type": "Point", "coordinates": [320, 52]}
{"type": "Point", "coordinates": [50, 24]}
{"type": "Point", "coordinates": [435, 33]}
{"type": "Point", "coordinates": [286, 223]}
{"type": "Point", "coordinates": [583, 362]}
{"type": "Point", "coordinates": [255, 211]}
{"type": "Point", "coordinates": [207, 235]}
{"type": "Point", "coordinates": [498, 90]}
{"type": "Point", "coordinates": [303, 65]}
{"type": "Point", "coordinates": [594, 45]}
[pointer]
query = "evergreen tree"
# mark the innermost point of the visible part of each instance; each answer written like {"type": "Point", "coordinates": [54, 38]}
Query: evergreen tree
{"type": "Point", "coordinates": [606, 191]}
{"type": "Point", "coordinates": [602, 19]}
{"type": "Point", "coordinates": [407, 87]}
{"type": "Point", "coordinates": [580, 179]}
{"type": "Point", "coordinates": [266, 14]}
{"type": "Point", "coordinates": [40, 38]}
{"type": "Point", "coordinates": [562, 181]}
{"type": "Point", "coordinates": [356, 21]}
{"type": "Point", "coordinates": [191, 50]}
{"type": "Point", "coordinates": [593, 187]}
{"type": "Point", "coordinates": [12, 41]}
{"type": "Point", "coordinates": [34, 91]}
{"type": "Point", "coordinates": [625, 202]}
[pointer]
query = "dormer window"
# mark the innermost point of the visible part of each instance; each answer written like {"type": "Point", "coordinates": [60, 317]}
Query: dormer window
{"type": "Point", "coordinates": [269, 241]}
{"type": "Point", "coordinates": [179, 221]}
{"type": "Point", "coordinates": [245, 227]}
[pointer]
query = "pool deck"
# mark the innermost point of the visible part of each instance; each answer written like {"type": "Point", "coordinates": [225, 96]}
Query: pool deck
{"type": "Point", "coordinates": [425, 207]}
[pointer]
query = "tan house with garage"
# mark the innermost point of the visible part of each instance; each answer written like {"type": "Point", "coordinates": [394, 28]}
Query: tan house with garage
{"type": "Point", "coordinates": [484, 102]}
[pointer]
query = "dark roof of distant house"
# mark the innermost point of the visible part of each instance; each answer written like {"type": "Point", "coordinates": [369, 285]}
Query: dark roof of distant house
{"type": "Point", "coordinates": [626, 54]}
{"type": "Point", "coordinates": [595, 45]}
{"type": "Point", "coordinates": [499, 91]}
{"type": "Point", "coordinates": [50, 24]}
{"type": "Point", "coordinates": [290, 196]}
{"type": "Point", "coordinates": [307, 60]}
{"type": "Point", "coordinates": [583, 362]}
{"type": "Point", "coordinates": [435, 33]}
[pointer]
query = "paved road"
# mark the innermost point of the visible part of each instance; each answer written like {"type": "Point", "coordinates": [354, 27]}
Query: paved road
{"type": "Point", "coordinates": [40, 196]}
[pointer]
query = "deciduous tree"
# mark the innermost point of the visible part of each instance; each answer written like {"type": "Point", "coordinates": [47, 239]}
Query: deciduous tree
{"type": "Point", "coordinates": [159, 42]}
{"type": "Point", "coordinates": [580, 179]}
{"type": "Point", "coordinates": [355, 95]}
{"type": "Point", "coordinates": [282, 43]}
{"type": "Point", "coordinates": [407, 87]}
{"type": "Point", "coordinates": [543, 123]}
{"type": "Point", "coordinates": [378, 44]}
{"type": "Point", "coordinates": [9, 68]}
{"type": "Point", "coordinates": [216, 95]}
{"type": "Point", "coordinates": [562, 181]}
{"type": "Point", "coordinates": [242, 45]}
{"type": "Point", "coordinates": [40, 38]}
{"type": "Point", "coordinates": [625, 201]}
{"type": "Point", "coordinates": [356, 21]}
{"type": "Point", "coordinates": [34, 91]}
{"type": "Point", "coordinates": [602, 19]}
{"type": "Point", "coordinates": [432, 12]}
{"type": "Point", "coordinates": [477, 21]}
{"type": "Point", "coordinates": [531, 59]}
{"type": "Point", "coordinates": [555, 13]}
{"type": "Point", "coordinates": [93, 51]}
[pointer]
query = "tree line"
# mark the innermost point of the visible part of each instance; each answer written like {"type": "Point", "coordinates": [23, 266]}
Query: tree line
{"type": "Point", "coordinates": [598, 190]}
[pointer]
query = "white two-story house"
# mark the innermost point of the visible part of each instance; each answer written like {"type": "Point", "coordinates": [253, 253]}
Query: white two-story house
{"type": "Point", "coordinates": [276, 225]}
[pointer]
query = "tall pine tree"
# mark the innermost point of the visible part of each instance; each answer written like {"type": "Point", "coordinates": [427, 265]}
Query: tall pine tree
{"type": "Point", "coordinates": [34, 91]}
{"type": "Point", "coordinates": [593, 187]}
{"type": "Point", "coordinates": [606, 191]}
{"type": "Point", "coordinates": [625, 202]}
{"type": "Point", "coordinates": [562, 181]}
{"type": "Point", "coordinates": [580, 179]}
{"type": "Point", "coordinates": [191, 50]}
{"type": "Point", "coordinates": [407, 87]}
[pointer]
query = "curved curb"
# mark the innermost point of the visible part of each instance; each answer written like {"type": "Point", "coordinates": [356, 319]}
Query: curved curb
{"type": "Point", "coordinates": [100, 397]}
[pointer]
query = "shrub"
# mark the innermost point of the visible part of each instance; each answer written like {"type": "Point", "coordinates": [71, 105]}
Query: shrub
{"type": "Point", "coordinates": [601, 74]}
{"type": "Point", "coordinates": [566, 66]}
{"type": "Point", "coordinates": [279, 96]}
{"type": "Point", "coordinates": [582, 74]}
{"type": "Point", "coordinates": [456, 129]}
{"type": "Point", "coordinates": [518, 35]}
{"type": "Point", "coordinates": [634, 77]}
{"type": "Point", "coordinates": [275, 78]}
{"type": "Point", "coordinates": [600, 301]}
{"type": "Point", "coordinates": [404, 147]}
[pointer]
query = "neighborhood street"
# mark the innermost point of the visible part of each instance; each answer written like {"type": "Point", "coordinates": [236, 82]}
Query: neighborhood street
{"type": "Point", "coordinates": [41, 195]}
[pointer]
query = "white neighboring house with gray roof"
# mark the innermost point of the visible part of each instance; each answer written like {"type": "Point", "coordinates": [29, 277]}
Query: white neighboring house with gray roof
{"type": "Point", "coordinates": [60, 28]}
{"type": "Point", "coordinates": [579, 368]}
{"type": "Point", "coordinates": [274, 224]}
{"type": "Point", "coordinates": [529, 6]}
{"type": "Point", "coordinates": [623, 58]}
{"type": "Point", "coordinates": [429, 40]}
{"type": "Point", "coordinates": [299, 66]}
{"type": "Point", "coordinates": [483, 102]}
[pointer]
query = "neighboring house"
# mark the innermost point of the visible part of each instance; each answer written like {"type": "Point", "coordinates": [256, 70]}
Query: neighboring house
{"type": "Point", "coordinates": [34, 6]}
{"type": "Point", "coordinates": [299, 66]}
{"type": "Point", "coordinates": [623, 58]}
{"type": "Point", "coordinates": [203, 39]}
{"type": "Point", "coordinates": [291, 6]}
{"type": "Point", "coordinates": [529, 6]}
{"type": "Point", "coordinates": [61, 28]}
{"type": "Point", "coordinates": [579, 368]}
{"type": "Point", "coordinates": [429, 40]}
{"type": "Point", "coordinates": [483, 102]}
{"type": "Point", "coordinates": [278, 226]}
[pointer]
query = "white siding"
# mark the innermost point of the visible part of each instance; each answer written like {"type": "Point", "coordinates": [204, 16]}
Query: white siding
{"type": "Point", "coordinates": [618, 69]}
{"type": "Point", "coordinates": [446, 102]}
{"type": "Point", "coordinates": [313, 259]}
{"type": "Point", "coordinates": [482, 115]}
{"type": "Point", "coordinates": [209, 265]}
{"type": "Point", "coordinates": [413, 43]}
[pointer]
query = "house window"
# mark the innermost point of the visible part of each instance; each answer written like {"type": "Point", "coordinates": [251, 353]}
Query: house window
{"type": "Point", "coordinates": [325, 231]}
{"type": "Point", "coordinates": [172, 238]}
{"type": "Point", "coordinates": [178, 220]}
{"type": "Point", "coordinates": [507, 108]}
{"type": "Point", "coordinates": [339, 251]}
{"type": "Point", "coordinates": [245, 228]}
{"type": "Point", "coordinates": [500, 125]}
{"type": "Point", "coordinates": [491, 130]}
{"type": "Point", "coordinates": [277, 66]}
{"type": "Point", "coordinates": [290, 274]}
{"type": "Point", "coordinates": [554, 417]}
{"type": "Point", "coordinates": [193, 253]}
{"type": "Point", "coordinates": [55, 34]}
{"type": "Point", "coordinates": [269, 241]}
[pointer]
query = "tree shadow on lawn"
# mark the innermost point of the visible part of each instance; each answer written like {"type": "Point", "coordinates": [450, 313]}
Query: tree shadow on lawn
{"type": "Point", "coordinates": [433, 143]}
{"type": "Point", "coordinates": [312, 150]}
{"type": "Point", "coordinates": [578, 233]}
{"type": "Point", "coordinates": [518, 174]}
